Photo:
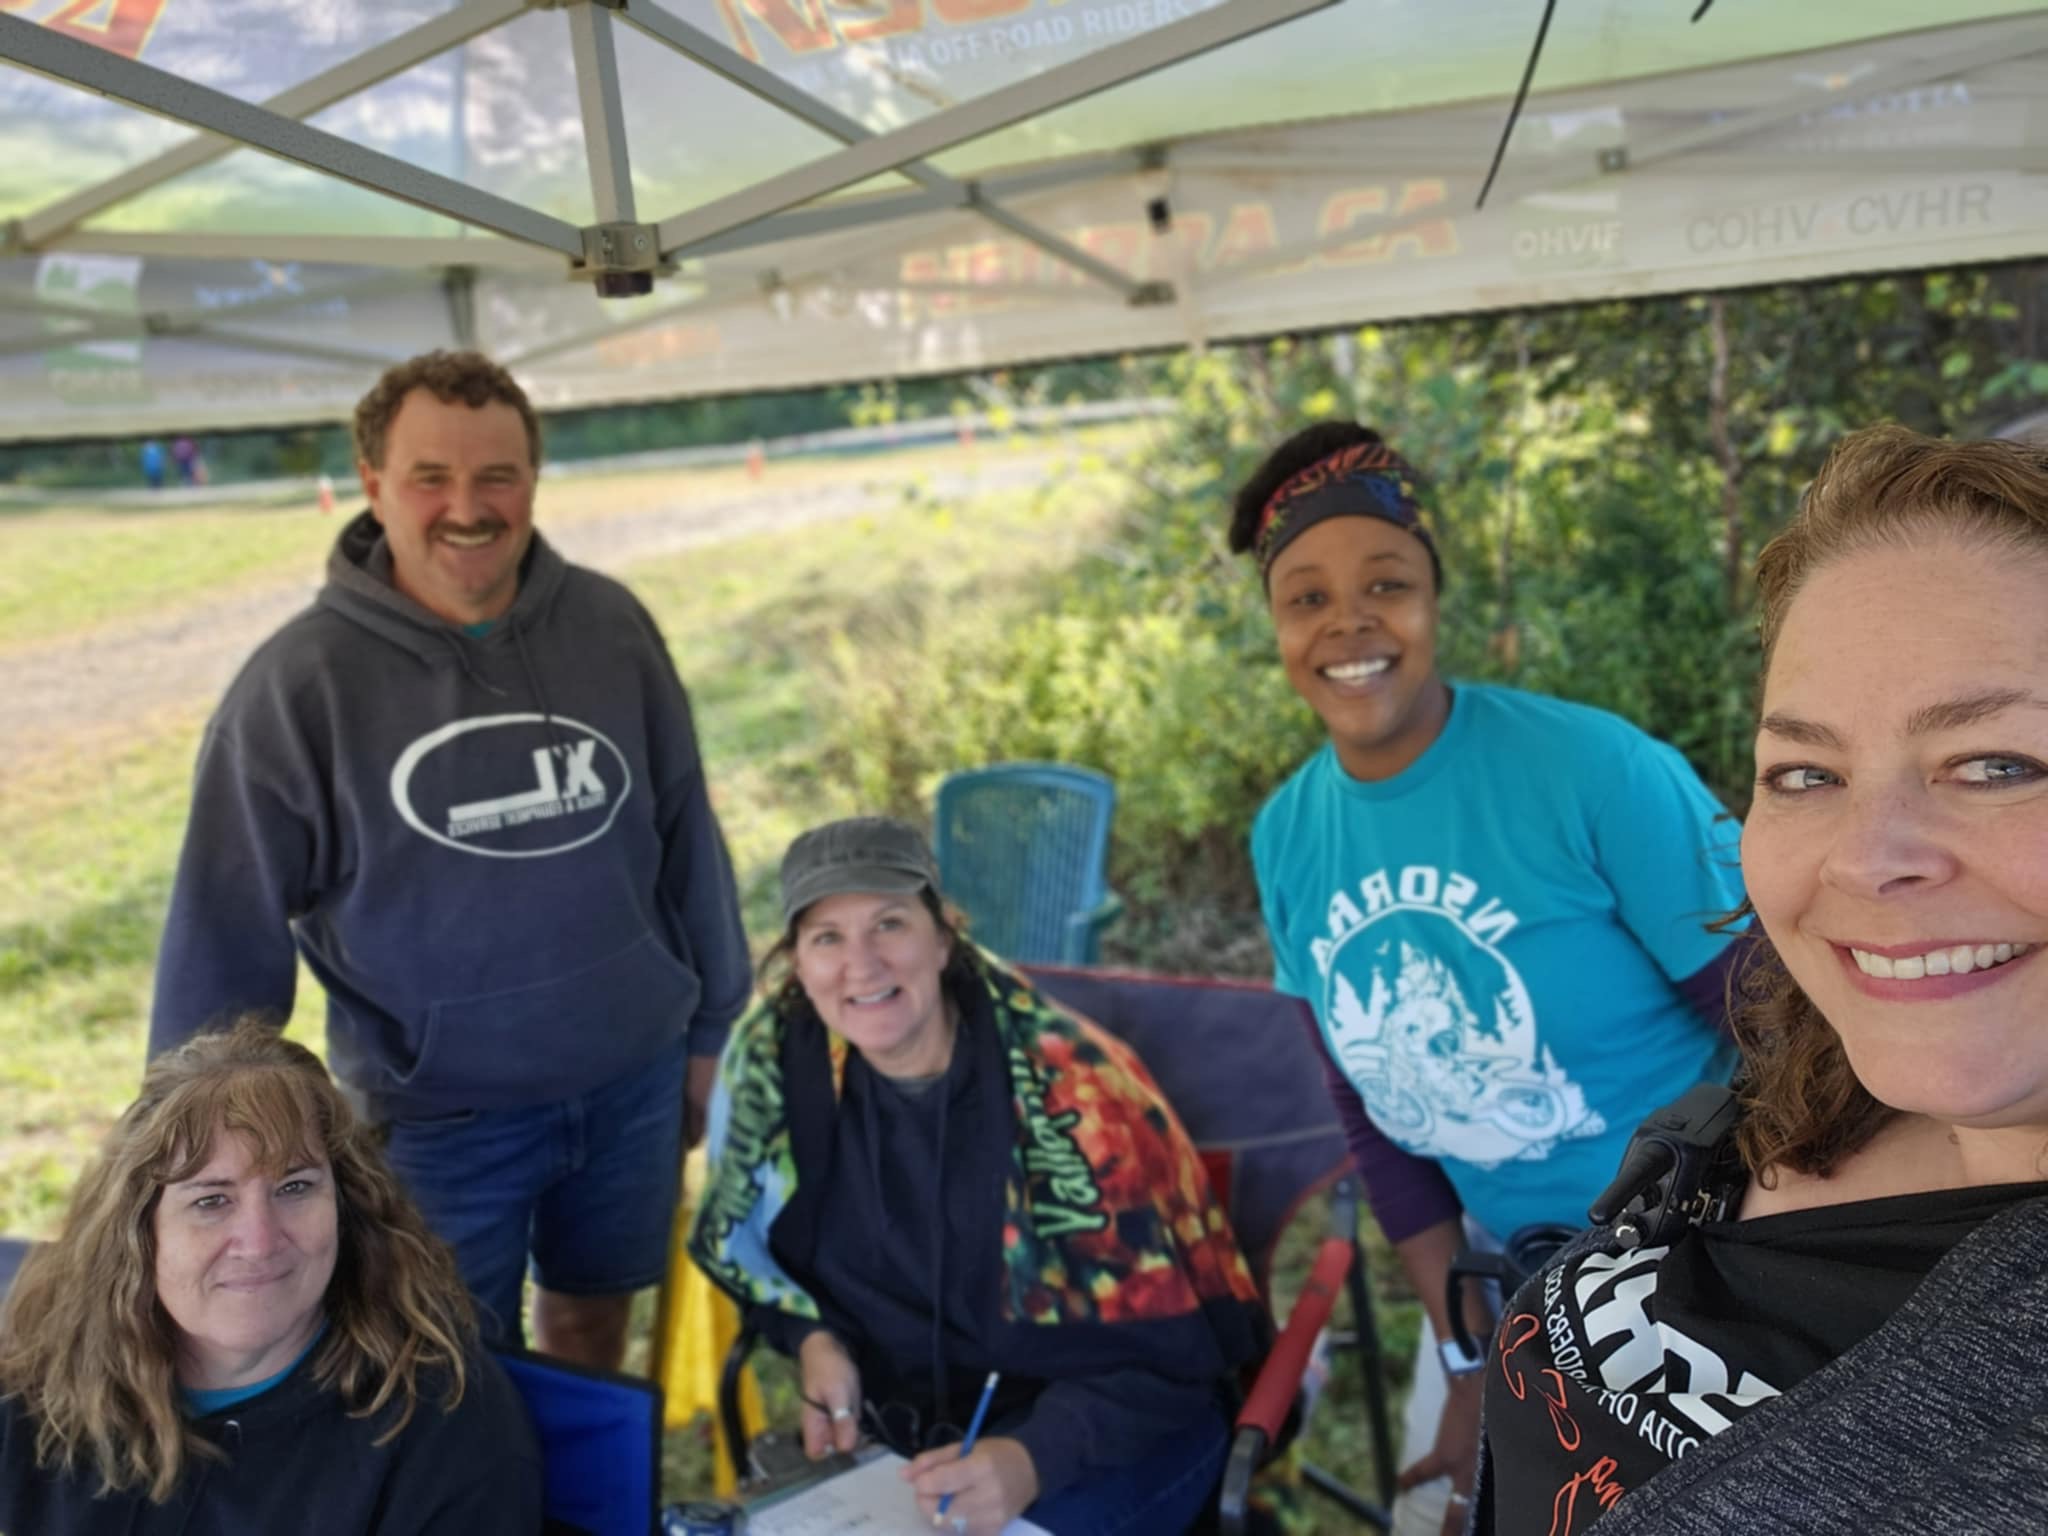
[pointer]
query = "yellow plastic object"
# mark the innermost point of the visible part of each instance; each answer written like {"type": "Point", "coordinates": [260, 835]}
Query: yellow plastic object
{"type": "Point", "coordinates": [695, 1327]}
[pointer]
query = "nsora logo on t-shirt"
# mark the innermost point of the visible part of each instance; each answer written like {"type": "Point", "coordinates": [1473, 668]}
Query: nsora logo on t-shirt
{"type": "Point", "coordinates": [1433, 1025]}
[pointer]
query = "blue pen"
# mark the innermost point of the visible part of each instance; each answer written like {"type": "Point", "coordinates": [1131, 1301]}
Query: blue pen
{"type": "Point", "coordinates": [988, 1394]}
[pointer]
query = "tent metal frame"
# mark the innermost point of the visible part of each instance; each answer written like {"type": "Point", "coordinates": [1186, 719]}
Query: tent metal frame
{"type": "Point", "coordinates": [700, 47]}
{"type": "Point", "coordinates": [1004, 107]}
{"type": "Point", "coordinates": [157, 91]}
{"type": "Point", "coordinates": [85, 323]}
{"type": "Point", "coordinates": [371, 67]}
{"type": "Point", "coordinates": [616, 242]}
{"type": "Point", "coordinates": [497, 234]}
{"type": "Point", "coordinates": [421, 251]}
{"type": "Point", "coordinates": [1621, 159]}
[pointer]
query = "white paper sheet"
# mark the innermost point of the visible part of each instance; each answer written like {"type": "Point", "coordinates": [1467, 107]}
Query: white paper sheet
{"type": "Point", "coordinates": [871, 1500]}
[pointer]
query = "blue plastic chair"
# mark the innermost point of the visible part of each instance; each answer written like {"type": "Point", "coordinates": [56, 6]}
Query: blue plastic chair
{"type": "Point", "coordinates": [1022, 849]}
{"type": "Point", "coordinates": [600, 1444]}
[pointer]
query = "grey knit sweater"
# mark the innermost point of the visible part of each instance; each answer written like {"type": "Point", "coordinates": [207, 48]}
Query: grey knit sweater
{"type": "Point", "coordinates": [1935, 1425]}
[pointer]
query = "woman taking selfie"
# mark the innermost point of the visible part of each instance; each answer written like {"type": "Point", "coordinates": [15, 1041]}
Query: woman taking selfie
{"type": "Point", "coordinates": [1855, 1342]}
{"type": "Point", "coordinates": [244, 1326]}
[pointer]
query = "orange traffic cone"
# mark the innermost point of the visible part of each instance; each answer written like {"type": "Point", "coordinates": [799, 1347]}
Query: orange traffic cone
{"type": "Point", "coordinates": [326, 495]}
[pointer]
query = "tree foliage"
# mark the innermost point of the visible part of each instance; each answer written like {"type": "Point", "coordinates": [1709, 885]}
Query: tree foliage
{"type": "Point", "coordinates": [1600, 497]}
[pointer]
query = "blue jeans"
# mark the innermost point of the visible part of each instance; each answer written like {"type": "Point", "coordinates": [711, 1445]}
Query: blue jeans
{"type": "Point", "coordinates": [1163, 1494]}
{"type": "Point", "coordinates": [586, 1185]}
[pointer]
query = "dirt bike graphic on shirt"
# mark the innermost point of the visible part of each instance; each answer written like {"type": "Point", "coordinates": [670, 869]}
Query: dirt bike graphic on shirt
{"type": "Point", "coordinates": [1434, 1027]}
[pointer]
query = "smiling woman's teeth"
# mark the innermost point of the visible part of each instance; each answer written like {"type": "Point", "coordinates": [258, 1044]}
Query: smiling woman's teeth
{"type": "Point", "coordinates": [1959, 960]}
{"type": "Point", "coordinates": [877, 997]}
{"type": "Point", "coordinates": [1358, 671]}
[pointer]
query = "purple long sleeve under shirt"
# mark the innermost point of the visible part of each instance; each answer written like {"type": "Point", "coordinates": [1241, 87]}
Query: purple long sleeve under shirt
{"type": "Point", "coordinates": [1708, 989]}
{"type": "Point", "coordinates": [1407, 1193]}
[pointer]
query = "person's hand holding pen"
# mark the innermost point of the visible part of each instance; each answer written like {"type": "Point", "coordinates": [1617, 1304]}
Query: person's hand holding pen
{"type": "Point", "coordinates": [831, 1394]}
{"type": "Point", "coordinates": [979, 1486]}
{"type": "Point", "coordinates": [989, 1486]}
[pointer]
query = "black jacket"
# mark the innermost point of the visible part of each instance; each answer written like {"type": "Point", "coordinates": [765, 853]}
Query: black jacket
{"type": "Point", "coordinates": [298, 1464]}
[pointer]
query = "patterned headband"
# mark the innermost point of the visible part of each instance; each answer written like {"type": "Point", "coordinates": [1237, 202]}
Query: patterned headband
{"type": "Point", "coordinates": [1363, 480]}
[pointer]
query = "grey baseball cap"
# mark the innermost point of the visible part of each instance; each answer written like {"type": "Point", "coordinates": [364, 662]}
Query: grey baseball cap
{"type": "Point", "coordinates": [863, 853]}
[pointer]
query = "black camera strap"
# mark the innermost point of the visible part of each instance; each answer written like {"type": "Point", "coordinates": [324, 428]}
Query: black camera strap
{"type": "Point", "coordinates": [1681, 1167]}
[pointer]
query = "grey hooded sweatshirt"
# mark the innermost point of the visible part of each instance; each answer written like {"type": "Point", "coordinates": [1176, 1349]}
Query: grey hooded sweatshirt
{"type": "Point", "coordinates": [496, 853]}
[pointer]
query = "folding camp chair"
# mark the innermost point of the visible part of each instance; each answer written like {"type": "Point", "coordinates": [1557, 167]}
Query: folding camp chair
{"type": "Point", "coordinates": [1240, 1072]}
{"type": "Point", "coordinates": [1022, 848]}
{"type": "Point", "coordinates": [600, 1445]}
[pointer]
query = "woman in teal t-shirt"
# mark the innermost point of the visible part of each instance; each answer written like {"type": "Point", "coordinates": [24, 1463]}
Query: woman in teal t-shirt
{"type": "Point", "coordinates": [1494, 904]}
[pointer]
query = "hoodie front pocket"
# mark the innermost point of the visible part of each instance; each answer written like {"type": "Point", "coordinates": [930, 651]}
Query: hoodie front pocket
{"type": "Point", "coordinates": [556, 1038]}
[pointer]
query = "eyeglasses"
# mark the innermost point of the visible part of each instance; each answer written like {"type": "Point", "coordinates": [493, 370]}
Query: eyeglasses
{"type": "Point", "coordinates": [901, 1427]}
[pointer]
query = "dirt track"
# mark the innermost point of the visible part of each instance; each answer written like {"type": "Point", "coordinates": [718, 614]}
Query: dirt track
{"type": "Point", "coordinates": [61, 697]}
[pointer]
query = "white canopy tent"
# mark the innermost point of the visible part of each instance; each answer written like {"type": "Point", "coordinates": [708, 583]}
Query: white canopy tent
{"type": "Point", "coordinates": [821, 190]}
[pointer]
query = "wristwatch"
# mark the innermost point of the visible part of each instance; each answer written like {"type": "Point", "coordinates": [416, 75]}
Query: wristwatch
{"type": "Point", "coordinates": [1458, 1360]}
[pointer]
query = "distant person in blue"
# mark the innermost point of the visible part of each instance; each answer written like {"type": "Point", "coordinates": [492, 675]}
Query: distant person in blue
{"type": "Point", "coordinates": [1495, 905]}
{"type": "Point", "coordinates": [153, 464]}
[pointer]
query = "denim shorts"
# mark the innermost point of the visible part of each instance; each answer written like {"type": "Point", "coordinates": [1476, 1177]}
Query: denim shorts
{"type": "Point", "coordinates": [586, 1186]}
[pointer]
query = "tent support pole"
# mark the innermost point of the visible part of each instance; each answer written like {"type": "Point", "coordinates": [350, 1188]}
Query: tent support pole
{"type": "Point", "coordinates": [885, 207]}
{"type": "Point", "coordinates": [150, 89]}
{"type": "Point", "coordinates": [577, 340]}
{"type": "Point", "coordinates": [381, 63]}
{"type": "Point", "coordinates": [700, 47]}
{"type": "Point", "coordinates": [1898, 77]}
{"type": "Point", "coordinates": [1622, 158]}
{"type": "Point", "coordinates": [327, 250]}
{"type": "Point", "coordinates": [212, 335]}
{"type": "Point", "coordinates": [93, 324]}
{"type": "Point", "coordinates": [604, 119]}
{"type": "Point", "coordinates": [458, 285]}
{"type": "Point", "coordinates": [998, 109]}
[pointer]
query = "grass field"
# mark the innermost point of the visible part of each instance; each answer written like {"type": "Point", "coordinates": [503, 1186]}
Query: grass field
{"type": "Point", "coordinates": [766, 629]}
{"type": "Point", "coordinates": [88, 835]}
{"type": "Point", "coordinates": [65, 569]}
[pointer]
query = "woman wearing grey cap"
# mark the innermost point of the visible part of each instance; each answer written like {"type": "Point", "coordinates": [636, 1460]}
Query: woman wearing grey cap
{"type": "Point", "coordinates": [926, 1177]}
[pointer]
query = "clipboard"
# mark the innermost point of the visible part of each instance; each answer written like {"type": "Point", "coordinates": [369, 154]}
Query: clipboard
{"type": "Point", "coordinates": [870, 1499]}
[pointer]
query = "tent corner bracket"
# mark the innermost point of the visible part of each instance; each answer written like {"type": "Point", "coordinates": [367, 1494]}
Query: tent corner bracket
{"type": "Point", "coordinates": [621, 259]}
{"type": "Point", "coordinates": [1147, 295]}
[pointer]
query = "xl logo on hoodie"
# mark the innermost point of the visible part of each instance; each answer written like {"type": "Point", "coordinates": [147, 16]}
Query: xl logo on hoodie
{"type": "Point", "coordinates": [511, 786]}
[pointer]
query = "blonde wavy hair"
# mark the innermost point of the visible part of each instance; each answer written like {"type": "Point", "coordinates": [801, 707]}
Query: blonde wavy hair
{"type": "Point", "coordinates": [1884, 487]}
{"type": "Point", "coordinates": [89, 1350]}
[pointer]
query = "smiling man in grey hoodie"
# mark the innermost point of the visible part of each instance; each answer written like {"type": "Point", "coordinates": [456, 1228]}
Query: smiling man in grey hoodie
{"type": "Point", "coordinates": [464, 785]}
